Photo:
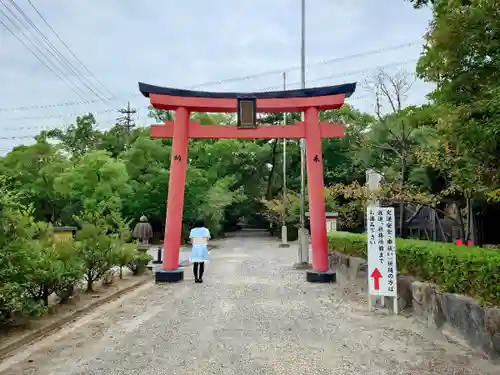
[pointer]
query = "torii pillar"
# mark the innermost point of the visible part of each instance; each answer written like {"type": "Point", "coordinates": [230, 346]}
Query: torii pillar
{"type": "Point", "coordinates": [308, 101]}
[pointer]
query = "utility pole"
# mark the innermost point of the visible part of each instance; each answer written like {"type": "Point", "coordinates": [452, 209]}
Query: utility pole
{"type": "Point", "coordinates": [126, 121]}
{"type": "Point", "coordinates": [303, 237]}
{"type": "Point", "coordinates": [284, 231]}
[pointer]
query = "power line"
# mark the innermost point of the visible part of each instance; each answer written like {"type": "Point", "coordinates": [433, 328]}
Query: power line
{"type": "Point", "coordinates": [48, 46]}
{"type": "Point", "coordinates": [39, 59]}
{"type": "Point", "coordinates": [49, 127]}
{"type": "Point", "coordinates": [341, 75]}
{"type": "Point", "coordinates": [113, 123]}
{"type": "Point", "coordinates": [53, 68]}
{"type": "Point", "coordinates": [103, 126]}
{"type": "Point", "coordinates": [269, 88]}
{"type": "Point", "coordinates": [61, 58]}
{"type": "Point", "coordinates": [70, 50]}
{"type": "Point", "coordinates": [37, 44]}
{"type": "Point", "coordinates": [318, 63]}
{"type": "Point", "coordinates": [233, 79]}
{"type": "Point", "coordinates": [72, 115]}
{"type": "Point", "coordinates": [108, 123]}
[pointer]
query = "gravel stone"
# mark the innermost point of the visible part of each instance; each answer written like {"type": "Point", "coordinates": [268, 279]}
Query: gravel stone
{"type": "Point", "coordinates": [254, 314]}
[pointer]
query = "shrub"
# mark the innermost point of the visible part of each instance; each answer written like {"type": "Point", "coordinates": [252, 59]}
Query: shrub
{"type": "Point", "coordinates": [70, 270]}
{"type": "Point", "coordinates": [54, 268]}
{"type": "Point", "coordinates": [138, 264]}
{"type": "Point", "coordinates": [274, 210]}
{"type": "Point", "coordinates": [472, 271]}
{"type": "Point", "coordinates": [17, 232]}
{"type": "Point", "coordinates": [124, 255]}
{"type": "Point", "coordinates": [97, 251]}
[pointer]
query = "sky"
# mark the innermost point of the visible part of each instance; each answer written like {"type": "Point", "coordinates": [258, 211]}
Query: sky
{"type": "Point", "coordinates": [191, 44]}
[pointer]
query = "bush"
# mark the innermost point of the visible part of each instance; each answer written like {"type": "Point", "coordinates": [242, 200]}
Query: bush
{"type": "Point", "coordinates": [54, 269]}
{"type": "Point", "coordinates": [274, 210]}
{"type": "Point", "coordinates": [471, 271]}
{"type": "Point", "coordinates": [70, 270]}
{"type": "Point", "coordinates": [97, 250]}
{"type": "Point", "coordinates": [33, 266]}
{"type": "Point", "coordinates": [17, 258]}
{"type": "Point", "coordinates": [125, 253]}
{"type": "Point", "coordinates": [138, 264]}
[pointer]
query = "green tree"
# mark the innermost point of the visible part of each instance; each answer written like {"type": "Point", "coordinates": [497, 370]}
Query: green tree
{"type": "Point", "coordinates": [32, 171]}
{"type": "Point", "coordinates": [78, 138]}
{"type": "Point", "coordinates": [342, 157]}
{"type": "Point", "coordinates": [421, 3]}
{"type": "Point", "coordinates": [17, 233]}
{"type": "Point", "coordinates": [118, 139]}
{"type": "Point", "coordinates": [147, 162]}
{"type": "Point", "coordinates": [53, 267]}
{"type": "Point", "coordinates": [97, 181]}
{"type": "Point", "coordinates": [461, 57]}
{"type": "Point", "coordinates": [96, 247]}
{"type": "Point", "coordinates": [125, 253]}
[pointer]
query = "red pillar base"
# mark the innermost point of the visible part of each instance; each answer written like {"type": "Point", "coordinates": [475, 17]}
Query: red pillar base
{"type": "Point", "coordinates": [321, 277]}
{"type": "Point", "coordinates": [169, 276]}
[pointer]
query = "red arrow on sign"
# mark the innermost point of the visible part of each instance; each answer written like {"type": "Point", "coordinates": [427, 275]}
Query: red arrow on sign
{"type": "Point", "coordinates": [376, 278]}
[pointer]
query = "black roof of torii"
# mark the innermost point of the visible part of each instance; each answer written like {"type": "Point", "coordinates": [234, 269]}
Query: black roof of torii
{"type": "Point", "coordinates": [347, 89]}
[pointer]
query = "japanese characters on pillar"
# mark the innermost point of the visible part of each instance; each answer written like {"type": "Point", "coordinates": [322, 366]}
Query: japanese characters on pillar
{"type": "Point", "coordinates": [382, 270]}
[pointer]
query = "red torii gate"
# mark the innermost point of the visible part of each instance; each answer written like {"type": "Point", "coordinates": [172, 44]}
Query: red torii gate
{"type": "Point", "coordinates": [183, 102]}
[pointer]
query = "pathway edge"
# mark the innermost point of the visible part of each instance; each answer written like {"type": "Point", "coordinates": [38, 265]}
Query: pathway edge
{"type": "Point", "coordinates": [42, 332]}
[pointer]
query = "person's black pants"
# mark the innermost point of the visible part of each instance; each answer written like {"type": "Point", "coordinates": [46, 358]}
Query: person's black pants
{"type": "Point", "coordinates": [198, 269]}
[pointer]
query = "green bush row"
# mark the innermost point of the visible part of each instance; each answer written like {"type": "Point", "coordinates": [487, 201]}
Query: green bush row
{"type": "Point", "coordinates": [34, 266]}
{"type": "Point", "coordinates": [471, 271]}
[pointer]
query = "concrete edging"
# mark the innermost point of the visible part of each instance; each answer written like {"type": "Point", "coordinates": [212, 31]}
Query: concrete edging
{"type": "Point", "coordinates": [57, 325]}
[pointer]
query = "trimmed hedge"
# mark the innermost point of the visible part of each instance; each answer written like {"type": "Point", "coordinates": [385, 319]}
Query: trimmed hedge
{"type": "Point", "coordinates": [471, 271]}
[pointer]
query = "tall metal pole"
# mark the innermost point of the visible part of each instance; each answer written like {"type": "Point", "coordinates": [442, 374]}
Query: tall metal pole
{"type": "Point", "coordinates": [284, 231]}
{"type": "Point", "coordinates": [303, 240]}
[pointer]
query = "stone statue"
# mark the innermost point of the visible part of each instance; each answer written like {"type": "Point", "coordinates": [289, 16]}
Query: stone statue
{"type": "Point", "coordinates": [143, 231]}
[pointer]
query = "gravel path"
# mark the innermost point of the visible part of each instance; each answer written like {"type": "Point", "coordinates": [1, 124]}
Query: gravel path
{"type": "Point", "coordinates": [253, 315]}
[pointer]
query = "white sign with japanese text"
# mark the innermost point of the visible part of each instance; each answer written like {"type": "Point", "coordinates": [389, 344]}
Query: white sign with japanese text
{"type": "Point", "coordinates": [381, 252]}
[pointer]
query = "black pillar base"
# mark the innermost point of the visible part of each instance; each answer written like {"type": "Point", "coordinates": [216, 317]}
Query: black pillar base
{"type": "Point", "coordinates": [158, 259]}
{"type": "Point", "coordinates": [321, 277]}
{"type": "Point", "coordinates": [170, 276]}
{"type": "Point", "coordinates": [283, 245]}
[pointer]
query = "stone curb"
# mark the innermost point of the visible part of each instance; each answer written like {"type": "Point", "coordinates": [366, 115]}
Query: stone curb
{"type": "Point", "coordinates": [40, 333]}
{"type": "Point", "coordinates": [458, 317]}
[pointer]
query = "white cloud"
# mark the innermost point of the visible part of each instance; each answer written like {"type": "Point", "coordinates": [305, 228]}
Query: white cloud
{"type": "Point", "coordinates": [181, 43]}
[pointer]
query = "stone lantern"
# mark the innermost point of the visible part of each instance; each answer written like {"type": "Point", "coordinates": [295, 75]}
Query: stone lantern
{"type": "Point", "coordinates": [143, 231]}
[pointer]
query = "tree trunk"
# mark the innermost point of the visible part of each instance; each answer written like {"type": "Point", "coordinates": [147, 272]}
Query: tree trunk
{"type": "Point", "coordinates": [90, 282]}
{"type": "Point", "coordinates": [471, 235]}
{"type": "Point", "coordinates": [45, 295]}
{"type": "Point", "coordinates": [401, 202]}
{"type": "Point", "coordinates": [462, 225]}
{"type": "Point", "coordinates": [271, 172]}
{"type": "Point", "coordinates": [121, 272]}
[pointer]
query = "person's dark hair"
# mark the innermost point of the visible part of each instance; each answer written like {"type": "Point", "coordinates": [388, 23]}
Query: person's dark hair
{"type": "Point", "coordinates": [199, 223]}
